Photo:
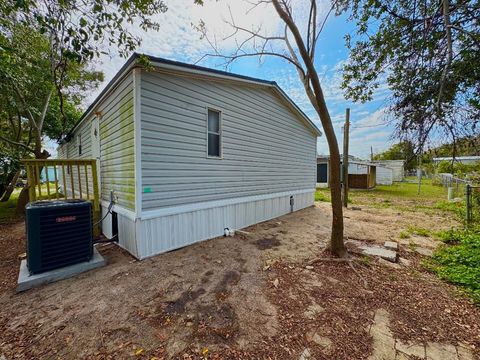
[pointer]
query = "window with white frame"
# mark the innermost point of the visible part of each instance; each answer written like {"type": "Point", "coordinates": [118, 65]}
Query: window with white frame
{"type": "Point", "coordinates": [214, 133]}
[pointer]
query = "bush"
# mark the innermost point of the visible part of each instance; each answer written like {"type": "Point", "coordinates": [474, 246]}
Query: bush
{"type": "Point", "coordinates": [459, 260]}
{"type": "Point", "coordinates": [470, 171]}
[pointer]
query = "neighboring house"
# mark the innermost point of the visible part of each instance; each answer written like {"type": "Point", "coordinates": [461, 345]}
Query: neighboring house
{"type": "Point", "coordinates": [397, 166]}
{"type": "Point", "coordinates": [467, 160]}
{"type": "Point", "coordinates": [323, 163]}
{"type": "Point", "coordinates": [361, 174]}
{"type": "Point", "coordinates": [186, 152]}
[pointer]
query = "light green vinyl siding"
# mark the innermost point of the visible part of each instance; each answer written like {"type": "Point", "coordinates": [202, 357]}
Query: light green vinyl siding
{"type": "Point", "coordinates": [117, 150]}
{"type": "Point", "coordinates": [117, 168]}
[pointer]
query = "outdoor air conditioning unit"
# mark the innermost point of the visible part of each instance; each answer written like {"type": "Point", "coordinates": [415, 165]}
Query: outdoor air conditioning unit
{"type": "Point", "coordinates": [59, 233]}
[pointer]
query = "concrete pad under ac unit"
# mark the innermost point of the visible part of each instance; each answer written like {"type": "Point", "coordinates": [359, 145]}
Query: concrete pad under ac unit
{"type": "Point", "coordinates": [27, 281]}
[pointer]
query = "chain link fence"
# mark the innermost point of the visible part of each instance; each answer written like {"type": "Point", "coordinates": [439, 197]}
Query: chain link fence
{"type": "Point", "coordinates": [472, 200]}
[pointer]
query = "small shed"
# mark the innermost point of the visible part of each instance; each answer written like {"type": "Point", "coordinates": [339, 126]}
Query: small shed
{"type": "Point", "coordinates": [384, 175]}
{"type": "Point", "coordinates": [397, 166]}
{"type": "Point", "coordinates": [361, 175]}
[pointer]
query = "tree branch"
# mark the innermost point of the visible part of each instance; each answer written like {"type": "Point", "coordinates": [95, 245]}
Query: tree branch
{"type": "Point", "coordinates": [448, 34]}
{"type": "Point", "coordinates": [16, 143]}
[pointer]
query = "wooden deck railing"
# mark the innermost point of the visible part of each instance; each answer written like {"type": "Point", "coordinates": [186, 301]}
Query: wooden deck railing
{"type": "Point", "coordinates": [72, 179]}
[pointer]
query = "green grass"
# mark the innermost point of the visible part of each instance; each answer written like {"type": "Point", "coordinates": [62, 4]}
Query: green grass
{"type": "Point", "coordinates": [406, 190]}
{"type": "Point", "coordinates": [458, 262]}
{"type": "Point", "coordinates": [400, 195]}
{"type": "Point", "coordinates": [322, 194]}
{"type": "Point", "coordinates": [404, 235]}
{"type": "Point", "coordinates": [416, 230]}
{"type": "Point", "coordinates": [7, 208]}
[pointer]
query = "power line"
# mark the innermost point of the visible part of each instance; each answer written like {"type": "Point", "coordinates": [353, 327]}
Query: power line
{"type": "Point", "coordinates": [367, 126]}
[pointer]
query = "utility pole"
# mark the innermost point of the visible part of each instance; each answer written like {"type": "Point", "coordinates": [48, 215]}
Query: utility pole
{"type": "Point", "coordinates": [371, 153]}
{"type": "Point", "coordinates": [345, 157]}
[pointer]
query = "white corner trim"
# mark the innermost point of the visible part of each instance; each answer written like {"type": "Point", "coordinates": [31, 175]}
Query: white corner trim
{"type": "Point", "coordinates": [173, 210]}
{"type": "Point", "coordinates": [137, 130]}
{"type": "Point", "coordinates": [120, 210]}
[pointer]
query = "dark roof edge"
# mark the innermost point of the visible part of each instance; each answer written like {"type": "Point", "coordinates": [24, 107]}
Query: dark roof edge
{"type": "Point", "coordinates": [206, 69]}
{"type": "Point", "coordinates": [179, 64]}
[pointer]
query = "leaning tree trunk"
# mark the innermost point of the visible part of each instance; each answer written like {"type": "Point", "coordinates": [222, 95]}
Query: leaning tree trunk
{"type": "Point", "coordinates": [10, 187]}
{"type": "Point", "coordinates": [8, 179]}
{"type": "Point", "coordinates": [23, 198]}
{"type": "Point", "coordinates": [314, 91]}
{"type": "Point", "coordinates": [337, 245]}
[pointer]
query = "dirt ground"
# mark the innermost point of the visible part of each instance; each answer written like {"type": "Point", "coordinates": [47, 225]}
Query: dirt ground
{"type": "Point", "coordinates": [252, 296]}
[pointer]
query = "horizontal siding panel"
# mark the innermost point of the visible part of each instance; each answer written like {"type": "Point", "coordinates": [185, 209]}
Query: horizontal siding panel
{"type": "Point", "coordinates": [241, 108]}
{"type": "Point", "coordinates": [117, 145]}
{"type": "Point", "coordinates": [210, 179]}
{"type": "Point", "coordinates": [232, 160]}
{"type": "Point", "coordinates": [117, 168]}
{"type": "Point", "coordinates": [203, 93]}
{"type": "Point", "coordinates": [265, 147]}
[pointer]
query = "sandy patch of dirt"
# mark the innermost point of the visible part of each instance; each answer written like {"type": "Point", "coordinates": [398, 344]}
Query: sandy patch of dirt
{"type": "Point", "coordinates": [220, 295]}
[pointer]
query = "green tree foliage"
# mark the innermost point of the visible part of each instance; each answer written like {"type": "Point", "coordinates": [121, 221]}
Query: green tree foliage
{"type": "Point", "coordinates": [428, 53]}
{"type": "Point", "coordinates": [403, 150]}
{"type": "Point", "coordinates": [466, 146]}
{"type": "Point", "coordinates": [45, 48]}
{"type": "Point", "coordinates": [457, 168]}
{"type": "Point", "coordinates": [30, 105]}
{"type": "Point", "coordinates": [79, 28]}
{"type": "Point", "coordinates": [78, 31]}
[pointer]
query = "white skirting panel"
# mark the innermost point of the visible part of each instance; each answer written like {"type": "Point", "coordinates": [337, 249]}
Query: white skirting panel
{"type": "Point", "coordinates": [126, 228]}
{"type": "Point", "coordinates": [164, 233]}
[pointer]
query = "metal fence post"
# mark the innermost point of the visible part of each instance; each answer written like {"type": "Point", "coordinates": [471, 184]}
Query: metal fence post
{"type": "Point", "coordinates": [468, 194]}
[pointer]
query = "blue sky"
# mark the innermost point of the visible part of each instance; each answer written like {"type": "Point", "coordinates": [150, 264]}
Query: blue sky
{"type": "Point", "coordinates": [178, 40]}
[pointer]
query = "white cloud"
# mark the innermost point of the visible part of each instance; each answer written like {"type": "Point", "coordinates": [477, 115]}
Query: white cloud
{"type": "Point", "coordinates": [177, 39]}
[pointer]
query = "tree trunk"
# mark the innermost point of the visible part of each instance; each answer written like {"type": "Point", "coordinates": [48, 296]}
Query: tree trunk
{"type": "Point", "coordinates": [8, 180]}
{"type": "Point", "coordinates": [314, 91]}
{"type": "Point", "coordinates": [337, 245]}
{"type": "Point", "coordinates": [11, 186]}
{"type": "Point", "coordinates": [23, 198]}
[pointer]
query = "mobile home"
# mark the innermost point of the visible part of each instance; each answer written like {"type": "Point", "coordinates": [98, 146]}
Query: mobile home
{"type": "Point", "coordinates": [185, 152]}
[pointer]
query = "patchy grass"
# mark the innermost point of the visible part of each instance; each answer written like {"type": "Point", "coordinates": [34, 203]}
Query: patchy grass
{"type": "Point", "coordinates": [416, 230]}
{"type": "Point", "coordinates": [7, 208]}
{"type": "Point", "coordinates": [458, 262]}
{"type": "Point", "coordinates": [402, 196]}
{"type": "Point", "coordinates": [322, 194]}
{"type": "Point", "coordinates": [404, 190]}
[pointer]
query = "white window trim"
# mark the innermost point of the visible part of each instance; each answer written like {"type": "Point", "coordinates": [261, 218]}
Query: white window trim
{"type": "Point", "coordinates": [220, 129]}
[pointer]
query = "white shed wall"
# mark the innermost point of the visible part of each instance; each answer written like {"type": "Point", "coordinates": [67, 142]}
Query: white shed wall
{"type": "Point", "coordinates": [384, 175]}
{"type": "Point", "coordinates": [396, 165]}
